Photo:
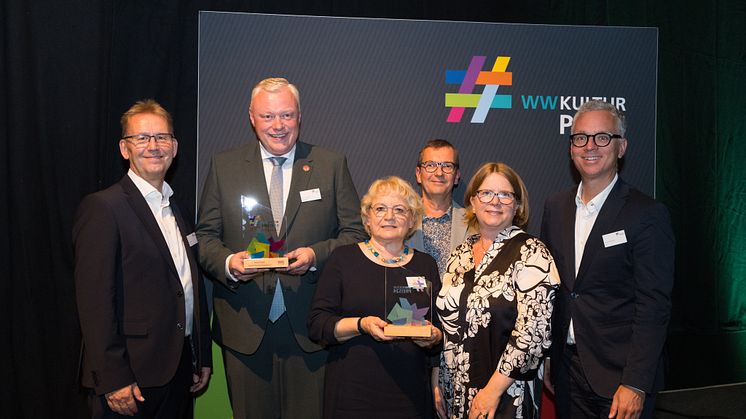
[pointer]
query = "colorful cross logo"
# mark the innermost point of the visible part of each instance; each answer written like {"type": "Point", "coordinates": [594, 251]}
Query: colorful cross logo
{"type": "Point", "coordinates": [483, 102]}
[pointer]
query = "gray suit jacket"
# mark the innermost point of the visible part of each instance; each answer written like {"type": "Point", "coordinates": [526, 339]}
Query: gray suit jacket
{"type": "Point", "coordinates": [241, 309]}
{"type": "Point", "coordinates": [458, 230]}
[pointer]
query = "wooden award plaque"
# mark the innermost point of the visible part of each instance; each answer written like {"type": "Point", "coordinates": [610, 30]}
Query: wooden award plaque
{"type": "Point", "coordinates": [265, 263]}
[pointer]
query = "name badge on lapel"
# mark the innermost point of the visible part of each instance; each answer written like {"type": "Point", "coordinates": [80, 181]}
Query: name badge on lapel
{"type": "Point", "coordinates": [191, 239]}
{"type": "Point", "coordinates": [615, 238]}
{"type": "Point", "coordinates": [310, 195]}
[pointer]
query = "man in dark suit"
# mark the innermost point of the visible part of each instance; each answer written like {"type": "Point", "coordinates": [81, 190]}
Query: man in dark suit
{"type": "Point", "coordinates": [614, 248]}
{"type": "Point", "coordinates": [141, 301]}
{"type": "Point", "coordinates": [273, 369]}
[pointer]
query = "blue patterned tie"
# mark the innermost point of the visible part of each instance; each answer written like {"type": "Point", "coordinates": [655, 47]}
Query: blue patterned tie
{"type": "Point", "coordinates": [275, 201]}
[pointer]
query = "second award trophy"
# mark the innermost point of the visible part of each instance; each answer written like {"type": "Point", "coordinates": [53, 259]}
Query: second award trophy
{"type": "Point", "coordinates": [408, 304]}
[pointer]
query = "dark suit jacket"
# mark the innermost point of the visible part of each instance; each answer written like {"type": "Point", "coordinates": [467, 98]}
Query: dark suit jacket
{"type": "Point", "coordinates": [620, 300]}
{"type": "Point", "coordinates": [241, 309]}
{"type": "Point", "coordinates": [130, 299]}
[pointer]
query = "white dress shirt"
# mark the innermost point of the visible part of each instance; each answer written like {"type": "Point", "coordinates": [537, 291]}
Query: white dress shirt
{"type": "Point", "coordinates": [160, 207]}
{"type": "Point", "coordinates": [585, 217]}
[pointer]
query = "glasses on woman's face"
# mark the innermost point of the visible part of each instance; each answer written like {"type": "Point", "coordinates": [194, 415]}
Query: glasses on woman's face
{"type": "Point", "coordinates": [486, 196]}
{"type": "Point", "coordinates": [381, 210]}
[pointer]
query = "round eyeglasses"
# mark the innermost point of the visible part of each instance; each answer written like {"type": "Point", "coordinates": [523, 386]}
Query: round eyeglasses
{"type": "Point", "coordinates": [446, 166]}
{"type": "Point", "coordinates": [601, 139]}
{"type": "Point", "coordinates": [381, 211]}
{"type": "Point", "coordinates": [486, 196]}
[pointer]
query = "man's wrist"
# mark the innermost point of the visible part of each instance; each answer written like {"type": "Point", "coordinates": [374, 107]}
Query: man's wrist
{"type": "Point", "coordinates": [635, 389]}
{"type": "Point", "coordinates": [228, 273]}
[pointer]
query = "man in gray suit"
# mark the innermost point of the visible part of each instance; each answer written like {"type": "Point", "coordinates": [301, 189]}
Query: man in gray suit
{"type": "Point", "coordinates": [273, 369]}
{"type": "Point", "coordinates": [443, 225]}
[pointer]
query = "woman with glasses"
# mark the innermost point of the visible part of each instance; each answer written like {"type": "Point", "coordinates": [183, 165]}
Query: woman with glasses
{"type": "Point", "coordinates": [369, 373]}
{"type": "Point", "coordinates": [494, 305]}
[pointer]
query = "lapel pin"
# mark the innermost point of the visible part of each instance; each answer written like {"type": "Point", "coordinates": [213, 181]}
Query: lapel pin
{"type": "Point", "coordinates": [306, 168]}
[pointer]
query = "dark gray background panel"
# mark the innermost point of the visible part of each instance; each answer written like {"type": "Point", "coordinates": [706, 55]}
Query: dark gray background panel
{"type": "Point", "coordinates": [374, 89]}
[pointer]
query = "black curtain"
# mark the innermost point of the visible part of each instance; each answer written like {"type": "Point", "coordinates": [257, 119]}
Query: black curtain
{"type": "Point", "coordinates": [69, 69]}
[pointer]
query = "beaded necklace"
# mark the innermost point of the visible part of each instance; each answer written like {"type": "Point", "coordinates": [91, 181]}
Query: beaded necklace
{"type": "Point", "coordinates": [383, 259]}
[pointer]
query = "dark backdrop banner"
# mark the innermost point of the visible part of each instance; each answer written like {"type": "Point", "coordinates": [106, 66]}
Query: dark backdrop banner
{"type": "Point", "coordinates": [69, 69]}
{"type": "Point", "coordinates": [378, 89]}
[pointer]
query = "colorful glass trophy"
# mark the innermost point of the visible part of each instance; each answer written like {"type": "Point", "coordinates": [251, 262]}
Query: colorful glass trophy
{"type": "Point", "coordinates": [408, 303]}
{"type": "Point", "coordinates": [266, 248]}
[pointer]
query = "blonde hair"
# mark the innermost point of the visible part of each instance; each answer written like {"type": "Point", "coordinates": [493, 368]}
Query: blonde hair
{"type": "Point", "coordinates": [520, 218]}
{"type": "Point", "coordinates": [146, 106]}
{"type": "Point", "coordinates": [400, 187]}
{"type": "Point", "coordinates": [274, 85]}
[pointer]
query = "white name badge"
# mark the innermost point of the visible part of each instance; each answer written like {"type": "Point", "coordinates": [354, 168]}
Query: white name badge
{"type": "Point", "coordinates": [417, 282]}
{"type": "Point", "coordinates": [615, 238]}
{"type": "Point", "coordinates": [310, 195]}
{"type": "Point", "coordinates": [191, 239]}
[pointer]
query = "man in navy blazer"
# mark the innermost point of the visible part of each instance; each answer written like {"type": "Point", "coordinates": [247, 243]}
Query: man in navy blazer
{"type": "Point", "coordinates": [141, 301]}
{"type": "Point", "coordinates": [614, 248]}
{"type": "Point", "coordinates": [273, 369]}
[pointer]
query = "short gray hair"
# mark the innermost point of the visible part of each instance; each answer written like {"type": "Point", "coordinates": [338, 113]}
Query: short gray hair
{"type": "Point", "coordinates": [274, 85]}
{"type": "Point", "coordinates": [600, 105]}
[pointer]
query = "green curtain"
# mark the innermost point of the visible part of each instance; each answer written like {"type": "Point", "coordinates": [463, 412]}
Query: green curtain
{"type": "Point", "coordinates": [701, 171]}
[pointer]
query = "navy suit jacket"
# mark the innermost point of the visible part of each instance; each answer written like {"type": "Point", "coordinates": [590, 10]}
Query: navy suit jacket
{"type": "Point", "coordinates": [129, 295]}
{"type": "Point", "coordinates": [620, 299]}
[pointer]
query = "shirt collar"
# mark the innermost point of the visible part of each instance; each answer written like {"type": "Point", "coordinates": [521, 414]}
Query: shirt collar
{"type": "Point", "coordinates": [147, 190]}
{"type": "Point", "coordinates": [290, 155]}
{"type": "Point", "coordinates": [443, 218]}
{"type": "Point", "coordinates": [598, 201]}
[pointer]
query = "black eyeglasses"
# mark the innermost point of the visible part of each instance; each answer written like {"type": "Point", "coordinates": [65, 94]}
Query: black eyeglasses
{"type": "Point", "coordinates": [431, 166]}
{"type": "Point", "coordinates": [142, 140]}
{"type": "Point", "coordinates": [601, 139]}
{"type": "Point", "coordinates": [486, 196]}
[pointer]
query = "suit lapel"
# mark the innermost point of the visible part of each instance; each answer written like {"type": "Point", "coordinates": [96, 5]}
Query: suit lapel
{"type": "Point", "coordinates": [302, 171]}
{"type": "Point", "coordinates": [254, 185]}
{"type": "Point", "coordinates": [458, 228]}
{"type": "Point", "coordinates": [183, 232]}
{"type": "Point", "coordinates": [568, 233]}
{"type": "Point", "coordinates": [253, 177]}
{"type": "Point", "coordinates": [603, 225]}
{"type": "Point", "coordinates": [142, 210]}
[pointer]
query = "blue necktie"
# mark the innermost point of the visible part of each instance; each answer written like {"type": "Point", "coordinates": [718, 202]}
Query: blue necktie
{"type": "Point", "coordinates": [275, 201]}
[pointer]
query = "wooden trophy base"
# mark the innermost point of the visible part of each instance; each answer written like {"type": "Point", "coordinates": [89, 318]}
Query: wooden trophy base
{"type": "Point", "coordinates": [407, 331]}
{"type": "Point", "coordinates": [265, 263]}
